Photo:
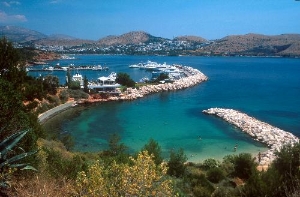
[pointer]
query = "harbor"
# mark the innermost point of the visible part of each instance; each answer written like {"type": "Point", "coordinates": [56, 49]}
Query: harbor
{"type": "Point", "coordinates": [67, 68]}
{"type": "Point", "coordinates": [263, 132]}
{"type": "Point", "coordinates": [193, 78]}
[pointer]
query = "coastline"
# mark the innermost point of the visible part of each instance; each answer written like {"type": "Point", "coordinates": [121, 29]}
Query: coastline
{"type": "Point", "coordinates": [193, 77]}
{"type": "Point", "coordinates": [263, 132]}
{"type": "Point", "coordinates": [52, 112]}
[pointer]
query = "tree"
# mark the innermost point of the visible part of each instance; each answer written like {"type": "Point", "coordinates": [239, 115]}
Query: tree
{"type": "Point", "coordinates": [161, 77]}
{"type": "Point", "coordinates": [85, 84]}
{"type": "Point", "coordinates": [11, 66]}
{"type": "Point", "coordinates": [287, 166]}
{"type": "Point", "coordinates": [125, 80]}
{"type": "Point", "coordinates": [176, 166]}
{"type": "Point", "coordinates": [244, 165]}
{"type": "Point", "coordinates": [116, 150]}
{"type": "Point", "coordinates": [14, 115]}
{"type": "Point", "coordinates": [50, 84]}
{"type": "Point", "coordinates": [154, 149]}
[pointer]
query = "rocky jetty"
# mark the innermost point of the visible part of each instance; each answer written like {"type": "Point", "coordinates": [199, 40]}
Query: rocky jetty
{"type": "Point", "coordinates": [193, 77]}
{"type": "Point", "coordinates": [272, 136]}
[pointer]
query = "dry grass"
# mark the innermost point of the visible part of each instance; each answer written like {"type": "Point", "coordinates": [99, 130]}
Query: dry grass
{"type": "Point", "coordinates": [41, 186]}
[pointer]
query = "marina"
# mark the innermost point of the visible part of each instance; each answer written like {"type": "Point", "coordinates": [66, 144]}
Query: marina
{"type": "Point", "coordinates": [66, 68]}
{"type": "Point", "coordinates": [174, 118]}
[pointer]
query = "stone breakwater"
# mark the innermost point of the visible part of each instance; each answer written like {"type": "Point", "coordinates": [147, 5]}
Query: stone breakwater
{"type": "Point", "coordinates": [193, 77]}
{"type": "Point", "coordinates": [273, 137]}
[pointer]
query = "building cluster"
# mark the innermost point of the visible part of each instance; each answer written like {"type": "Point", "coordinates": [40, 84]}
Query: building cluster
{"type": "Point", "coordinates": [164, 47]}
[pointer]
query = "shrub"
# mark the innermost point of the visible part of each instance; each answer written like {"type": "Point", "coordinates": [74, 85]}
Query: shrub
{"type": "Point", "coordinates": [141, 178]}
{"type": "Point", "coordinates": [244, 165]}
{"type": "Point", "coordinates": [64, 96]}
{"type": "Point", "coordinates": [215, 175]}
{"type": "Point", "coordinates": [8, 161]}
{"type": "Point", "coordinates": [210, 163]}
{"type": "Point", "coordinates": [78, 94]}
{"type": "Point", "coordinates": [53, 99]}
{"type": "Point", "coordinates": [125, 80]}
{"type": "Point", "coordinates": [176, 163]}
{"type": "Point", "coordinates": [153, 148]}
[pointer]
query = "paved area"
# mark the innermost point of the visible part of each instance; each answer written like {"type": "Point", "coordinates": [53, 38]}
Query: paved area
{"type": "Point", "coordinates": [44, 116]}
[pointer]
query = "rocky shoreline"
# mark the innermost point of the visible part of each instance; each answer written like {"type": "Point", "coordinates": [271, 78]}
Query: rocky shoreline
{"type": "Point", "coordinates": [272, 136]}
{"type": "Point", "coordinates": [193, 77]}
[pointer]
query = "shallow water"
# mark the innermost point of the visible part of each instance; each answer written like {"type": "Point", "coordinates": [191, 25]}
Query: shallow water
{"type": "Point", "coordinates": [265, 88]}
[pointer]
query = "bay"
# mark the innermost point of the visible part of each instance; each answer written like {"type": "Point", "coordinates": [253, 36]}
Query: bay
{"type": "Point", "coordinates": [265, 88]}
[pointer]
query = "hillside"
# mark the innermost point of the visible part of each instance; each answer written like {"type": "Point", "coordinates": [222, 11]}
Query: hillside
{"type": "Point", "coordinates": [134, 37]}
{"type": "Point", "coordinates": [19, 34]}
{"type": "Point", "coordinates": [190, 39]}
{"type": "Point", "coordinates": [61, 41]}
{"type": "Point", "coordinates": [249, 44]}
{"type": "Point", "coordinates": [256, 44]}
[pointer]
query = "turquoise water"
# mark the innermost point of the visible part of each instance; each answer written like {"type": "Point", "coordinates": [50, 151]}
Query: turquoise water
{"type": "Point", "coordinates": [266, 88]}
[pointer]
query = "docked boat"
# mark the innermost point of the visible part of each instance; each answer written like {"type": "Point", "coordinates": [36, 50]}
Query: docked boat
{"type": "Point", "coordinates": [139, 65]}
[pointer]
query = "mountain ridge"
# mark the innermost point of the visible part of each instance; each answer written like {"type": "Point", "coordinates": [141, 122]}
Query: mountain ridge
{"type": "Point", "coordinates": [247, 44]}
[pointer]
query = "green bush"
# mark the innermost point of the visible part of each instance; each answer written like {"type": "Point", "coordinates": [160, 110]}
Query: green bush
{"type": "Point", "coordinates": [78, 94]}
{"type": "Point", "coordinates": [58, 166]}
{"type": "Point", "coordinates": [64, 96]}
{"type": "Point", "coordinates": [244, 165]}
{"type": "Point", "coordinates": [176, 166]}
{"type": "Point", "coordinates": [53, 99]}
{"type": "Point", "coordinates": [215, 175]}
{"type": "Point", "coordinates": [153, 148]}
{"type": "Point", "coordinates": [74, 85]}
{"type": "Point", "coordinates": [125, 80]}
{"type": "Point", "coordinates": [210, 163]}
{"type": "Point", "coordinates": [200, 191]}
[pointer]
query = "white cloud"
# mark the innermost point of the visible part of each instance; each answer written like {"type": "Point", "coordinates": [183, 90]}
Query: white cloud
{"type": "Point", "coordinates": [12, 18]}
{"type": "Point", "coordinates": [10, 3]}
{"type": "Point", "coordinates": [54, 1]}
{"type": "Point", "coordinates": [6, 4]}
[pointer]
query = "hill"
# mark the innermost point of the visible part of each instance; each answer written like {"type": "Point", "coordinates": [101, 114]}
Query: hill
{"type": "Point", "coordinates": [249, 44]}
{"type": "Point", "coordinates": [196, 39]}
{"type": "Point", "coordinates": [19, 34]}
{"type": "Point", "coordinates": [134, 37]}
{"type": "Point", "coordinates": [256, 44]}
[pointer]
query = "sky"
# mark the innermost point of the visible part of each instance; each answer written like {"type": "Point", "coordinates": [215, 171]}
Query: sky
{"type": "Point", "coordinates": [210, 19]}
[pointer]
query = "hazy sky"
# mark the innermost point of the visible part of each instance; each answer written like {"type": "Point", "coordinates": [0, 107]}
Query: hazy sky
{"type": "Point", "coordinates": [95, 19]}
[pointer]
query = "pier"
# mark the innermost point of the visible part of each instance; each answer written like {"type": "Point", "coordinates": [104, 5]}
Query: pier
{"type": "Point", "coordinates": [193, 78]}
{"type": "Point", "coordinates": [263, 132]}
{"type": "Point", "coordinates": [67, 68]}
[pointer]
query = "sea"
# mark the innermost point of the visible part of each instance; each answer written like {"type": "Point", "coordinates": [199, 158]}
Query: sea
{"type": "Point", "coordinates": [267, 88]}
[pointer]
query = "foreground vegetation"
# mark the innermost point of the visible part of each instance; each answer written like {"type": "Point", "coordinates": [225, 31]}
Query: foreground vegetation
{"type": "Point", "coordinates": [113, 172]}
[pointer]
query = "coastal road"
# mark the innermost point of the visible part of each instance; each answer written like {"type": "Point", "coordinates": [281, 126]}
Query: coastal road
{"type": "Point", "coordinates": [44, 116]}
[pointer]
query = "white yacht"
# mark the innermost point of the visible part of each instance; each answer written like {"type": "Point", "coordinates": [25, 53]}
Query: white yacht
{"type": "Point", "coordinates": [139, 65]}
